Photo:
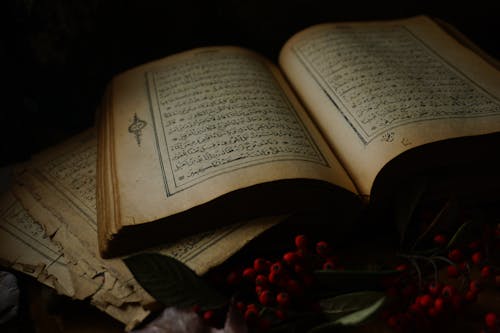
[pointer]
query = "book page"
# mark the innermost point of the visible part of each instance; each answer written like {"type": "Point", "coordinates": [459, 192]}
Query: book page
{"type": "Point", "coordinates": [58, 189]}
{"type": "Point", "coordinates": [62, 182]}
{"type": "Point", "coordinates": [194, 126]}
{"type": "Point", "coordinates": [378, 89]}
{"type": "Point", "coordinates": [27, 248]}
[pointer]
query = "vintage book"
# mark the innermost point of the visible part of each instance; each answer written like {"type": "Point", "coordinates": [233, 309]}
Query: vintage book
{"type": "Point", "coordinates": [212, 135]}
{"type": "Point", "coordinates": [48, 230]}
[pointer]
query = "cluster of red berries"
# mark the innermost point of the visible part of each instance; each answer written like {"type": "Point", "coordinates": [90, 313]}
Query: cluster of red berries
{"type": "Point", "coordinates": [467, 272]}
{"type": "Point", "coordinates": [428, 290]}
{"type": "Point", "coordinates": [268, 291]}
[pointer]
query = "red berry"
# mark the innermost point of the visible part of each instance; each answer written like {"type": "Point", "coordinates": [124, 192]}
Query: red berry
{"type": "Point", "coordinates": [261, 280]}
{"type": "Point", "coordinates": [415, 307]}
{"type": "Point", "coordinates": [435, 288]}
{"type": "Point", "coordinates": [432, 312]}
{"type": "Point", "coordinates": [280, 314]}
{"type": "Point", "coordinates": [328, 265]}
{"type": "Point", "coordinates": [463, 266]}
{"type": "Point", "coordinates": [477, 257]}
{"type": "Point", "coordinates": [249, 274]}
{"type": "Point", "coordinates": [301, 241]}
{"type": "Point", "coordinates": [448, 291]}
{"type": "Point", "coordinates": [208, 315]}
{"type": "Point", "coordinates": [251, 315]}
{"type": "Point", "coordinates": [455, 255]}
{"type": "Point", "coordinates": [290, 258]}
{"type": "Point", "coordinates": [266, 297]}
{"type": "Point", "coordinates": [490, 320]}
{"type": "Point", "coordinates": [259, 289]}
{"type": "Point", "coordinates": [283, 299]}
{"type": "Point", "coordinates": [486, 272]}
{"type": "Point", "coordinates": [274, 278]}
{"type": "Point", "coordinates": [260, 265]}
{"type": "Point", "coordinates": [440, 240]}
{"type": "Point", "coordinates": [475, 286]}
{"type": "Point", "coordinates": [470, 296]}
{"type": "Point", "coordinates": [426, 300]}
{"type": "Point", "coordinates": [241, 306]}
{"type": "Point", "coordinates": [439, 304]}
{"type": "Point", "coordinates": [277, 267]}
{"type": "Point", "coordinates": [253, 306]}
{"type": "Point", "coordinates": [402, 268]}
{"type": "Point", "coordinates": [474, 245]}
{"type": "Point", "coordinates": [303, 254]}
{"type": "Point", "coordinates": [452, 271]}
{"type": "Point", "coordinates": [323, 248]}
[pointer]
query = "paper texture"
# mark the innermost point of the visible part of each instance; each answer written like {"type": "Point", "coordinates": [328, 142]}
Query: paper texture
{"type": "Point", "coordinates": [26, 247]}
{"type": "Point", "coordinates": [194, 126]}
{"type": "Point", "coordinates": [57, 189]}
{"type": "Point", "coordinates": [377, 89]}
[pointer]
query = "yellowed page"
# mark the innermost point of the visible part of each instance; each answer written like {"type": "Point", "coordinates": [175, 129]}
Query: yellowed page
{"type": "Point", "coordinates": [58, 190]}
{"type": "Point", "coordinates": [27, 248]}
{"type": "Point", "coordinates": [191, 127]}
{"type": "Point", "coordinates": [378, 89]}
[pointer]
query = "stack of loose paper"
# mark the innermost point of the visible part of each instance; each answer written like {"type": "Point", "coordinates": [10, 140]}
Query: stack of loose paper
{"type": "Point", "coordinates": [48, 230]}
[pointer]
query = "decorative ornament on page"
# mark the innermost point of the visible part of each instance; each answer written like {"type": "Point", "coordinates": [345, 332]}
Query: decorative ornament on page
{"type": "Point", "coordinates": [136, 128]}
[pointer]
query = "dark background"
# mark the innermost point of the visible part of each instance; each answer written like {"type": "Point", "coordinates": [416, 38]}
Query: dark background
{"type": "Point", "coordinates": [57, 55]}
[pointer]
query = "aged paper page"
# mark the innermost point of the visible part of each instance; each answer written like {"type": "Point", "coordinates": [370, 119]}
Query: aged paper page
{"type": "Point", "coordinates": [378, 89]}
{"type": "Point", "coordinates": [26, 247]}
{"type": "Point", "coordinates": [194, 126]}
{"type": "Point", "coordinates": [58, 189]}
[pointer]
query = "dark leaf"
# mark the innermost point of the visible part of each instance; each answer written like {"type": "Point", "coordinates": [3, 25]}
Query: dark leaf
{"type": "Point", "coordinates": [348, 303]}
{"type": "Point", "coordinates": [350, 309]}
{"type": "Point", "coordinates": [171, 282]}
{"type": "Point", "coordinates": [334, 282]}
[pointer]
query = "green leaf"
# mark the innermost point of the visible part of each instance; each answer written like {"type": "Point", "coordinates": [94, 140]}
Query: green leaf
{"type": "Point", "coordinates": [348, 303]}
{"type": "Point", "coordinates": [332, 282]}
{"type": "Point", "coordinates": [171, 282]}
{"type": "Point", "coordinates": [361, 315]}
{"type": "Point", "coordinates": [349, 309]}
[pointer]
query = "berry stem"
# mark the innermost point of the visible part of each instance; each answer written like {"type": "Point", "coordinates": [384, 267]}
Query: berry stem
{"type": "Point", "coordinates": [419, 272]}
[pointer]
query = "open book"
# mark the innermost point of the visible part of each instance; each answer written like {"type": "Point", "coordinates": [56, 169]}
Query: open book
{"type": "Point", "coordinates": [216, 134]}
